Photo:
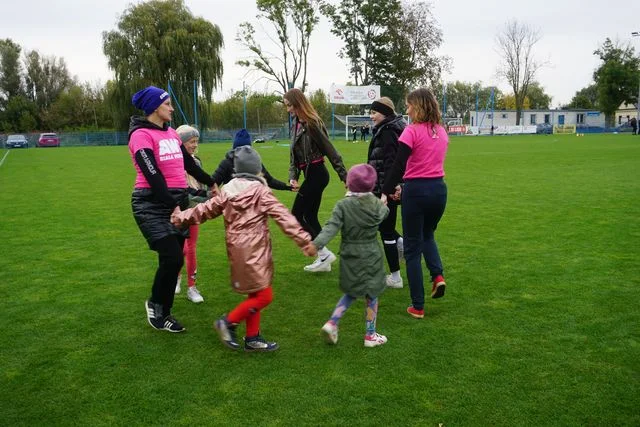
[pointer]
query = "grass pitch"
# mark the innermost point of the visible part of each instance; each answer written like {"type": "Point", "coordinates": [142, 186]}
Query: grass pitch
{"type": "Point", "coordinates": [540, 324]}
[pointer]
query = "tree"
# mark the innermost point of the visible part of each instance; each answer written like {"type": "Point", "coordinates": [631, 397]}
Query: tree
{"type": "Point", "coordinates": [515, 45]}
{"type": "Point", "coordinates": [10, 70]}
{"type": "Point", "coordinates": [407, 56]}
{"type": "Point", "coordinates": [586, 98]}
{"type": "Point", "coordinates": [19, 115]}
{"type": "Point", "coordinates": [616, 78]}
{"type": "Point", "coordinates": [293, 22]}
{"type": "Point", "coordinates": [538, 99]}
{"type": "Point", "coordinates": [158, 42]}
{"type": "Point", "coordinates": [45, 79]}
{"type": "Point", "coordinates": [363, 25]}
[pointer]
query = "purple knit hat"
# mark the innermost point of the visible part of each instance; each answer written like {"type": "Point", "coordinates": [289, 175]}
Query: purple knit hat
{"type": "Point", "coordinates": [149, 99]}
{"type": "Point", "coordinates": [361, 178]}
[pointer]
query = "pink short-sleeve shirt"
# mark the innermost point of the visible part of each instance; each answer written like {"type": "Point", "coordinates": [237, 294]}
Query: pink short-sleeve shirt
{"type": "Point", "coordinates": [428, 145]}
{"type": "Point", "coordinates": [167, 152]}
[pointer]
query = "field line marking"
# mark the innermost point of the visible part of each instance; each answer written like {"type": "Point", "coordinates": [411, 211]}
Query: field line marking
{"type": "Point", "coordinates": [5, 156]}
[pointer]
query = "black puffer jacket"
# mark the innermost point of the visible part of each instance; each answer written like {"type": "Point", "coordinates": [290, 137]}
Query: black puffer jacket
{"type": "Point", "coordinates": [225, 171]}
{"type": "Point", "coordinates": [384, 147]}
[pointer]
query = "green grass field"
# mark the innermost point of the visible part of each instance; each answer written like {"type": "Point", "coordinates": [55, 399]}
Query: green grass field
{"type": "Point", "coordinates": [540, 324]}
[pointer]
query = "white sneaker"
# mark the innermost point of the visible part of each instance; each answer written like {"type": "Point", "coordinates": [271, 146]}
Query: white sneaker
{"type": "Point", "coordinates": [330, 332]}
{"type": "Point", "coordinates": [391, 283]}
{"type": "Point", "coordinates": [193, 295]}
{"type": "Point", "coordinates": [375, 340]}
{"type": "Point", "coordinates": [400, 245]}
{"type": "Point", "coordinates": [178, 284]}
{"type": "Point", "coordinates": [321, 264]}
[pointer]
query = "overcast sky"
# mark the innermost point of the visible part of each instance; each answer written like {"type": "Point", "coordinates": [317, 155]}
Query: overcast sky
{"type": "Point", "coordinates": [570, 31]}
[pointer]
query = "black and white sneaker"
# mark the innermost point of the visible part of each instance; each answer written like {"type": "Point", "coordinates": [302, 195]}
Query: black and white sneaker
{"type": "Point", "coordinates": [258, 343]}
{"type": "Point", "coordinates": [158, 321]}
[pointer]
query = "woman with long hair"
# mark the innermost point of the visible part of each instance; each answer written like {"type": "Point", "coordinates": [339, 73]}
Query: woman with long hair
{"type": "Point", "coordinates": [421, 154]}
{"type": "Point", "coordinates": [309, 146]}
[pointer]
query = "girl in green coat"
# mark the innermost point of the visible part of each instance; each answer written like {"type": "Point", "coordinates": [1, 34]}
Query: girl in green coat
{"type": "Point", "coordinates": [362, 274]}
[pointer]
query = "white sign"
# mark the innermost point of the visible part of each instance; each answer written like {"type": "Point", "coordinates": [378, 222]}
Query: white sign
{"type": "Point", "coordinates": [341, 94]}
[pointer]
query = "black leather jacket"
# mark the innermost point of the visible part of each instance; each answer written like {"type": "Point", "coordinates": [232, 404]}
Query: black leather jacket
{"type": "Point", "coordinates": [310, 144]}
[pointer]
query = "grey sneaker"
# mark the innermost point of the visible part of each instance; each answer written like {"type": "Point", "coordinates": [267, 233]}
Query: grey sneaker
{"type": "Point", "coordinates": [258, 343]}
{"type": "Point", "coordinates": [193, 295]}
{"type": "Point", "coordinates": [227, 332]}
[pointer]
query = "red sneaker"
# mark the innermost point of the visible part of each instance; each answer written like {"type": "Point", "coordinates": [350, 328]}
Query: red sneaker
{"type": "Point", "coordinates": [437, 290]}
{"type": "Point", "coordinates": [418, 314]}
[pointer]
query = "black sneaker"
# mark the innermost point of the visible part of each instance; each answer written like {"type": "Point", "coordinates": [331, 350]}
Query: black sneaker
{"type": "Point", "coordinates": [158, 321]}
{"type": "Point", "coordinates": [258, 343]}
{"type": "Point", "coordinates": [227, 332]}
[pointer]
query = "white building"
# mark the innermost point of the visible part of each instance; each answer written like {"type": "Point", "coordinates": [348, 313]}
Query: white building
{"type": "Point", "coordinates": [580, 117]}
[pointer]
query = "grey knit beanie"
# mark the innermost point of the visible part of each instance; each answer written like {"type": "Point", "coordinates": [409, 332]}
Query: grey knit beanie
{"type": "Point", "coordinates": [246, 160]}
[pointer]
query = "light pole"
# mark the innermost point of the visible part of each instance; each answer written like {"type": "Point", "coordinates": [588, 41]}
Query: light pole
{"type": "Point", "coordinates": [637, 34]}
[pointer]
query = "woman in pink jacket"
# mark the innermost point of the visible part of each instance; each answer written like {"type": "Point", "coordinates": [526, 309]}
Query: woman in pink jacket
{"type": "Point", "coordinates": [246, 204]}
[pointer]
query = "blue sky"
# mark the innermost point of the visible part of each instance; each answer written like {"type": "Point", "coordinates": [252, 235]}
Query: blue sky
{"type": "Point", "coordinates": [570, 29]}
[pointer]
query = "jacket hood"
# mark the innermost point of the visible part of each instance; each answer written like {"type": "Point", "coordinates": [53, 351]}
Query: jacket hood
{"type": "Point", "coordinates": [371, 214]}
{"type": "Point", "coordinates": [242, 192]}
{"type": "Point", "coordinates": [395, 123]}
{"type": "Point", "coordinates": [139, 122]}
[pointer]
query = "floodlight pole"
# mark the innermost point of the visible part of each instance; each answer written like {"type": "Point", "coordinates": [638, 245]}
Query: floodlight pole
{"type": "Point", "coordinates": [637, 34]}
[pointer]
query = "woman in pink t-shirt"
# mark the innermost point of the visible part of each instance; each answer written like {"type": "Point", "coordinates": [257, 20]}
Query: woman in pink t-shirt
{"type": "Point", "coordinates": [160, 160]}
{"type": "Point", "coordinates": [421, 153]}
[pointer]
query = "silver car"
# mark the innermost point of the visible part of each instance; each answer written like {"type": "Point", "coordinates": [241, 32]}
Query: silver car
{"type": "Point", "coordinates": [16, 141]}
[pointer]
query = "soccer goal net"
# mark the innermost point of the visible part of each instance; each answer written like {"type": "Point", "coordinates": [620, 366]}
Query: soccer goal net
{"type": "Point", "coordinates": [353, 122]}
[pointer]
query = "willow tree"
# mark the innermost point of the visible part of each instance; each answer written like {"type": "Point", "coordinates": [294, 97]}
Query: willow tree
{"type": "Point", "coordinates": [160, 41]}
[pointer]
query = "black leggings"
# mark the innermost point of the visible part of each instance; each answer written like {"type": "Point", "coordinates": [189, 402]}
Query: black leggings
{"type": "Point", "coordinates": [170, 262]}
{"type": "Point", "coordinates": [307, 202]}
{"type": "Point", "coordinates": [389, 237]}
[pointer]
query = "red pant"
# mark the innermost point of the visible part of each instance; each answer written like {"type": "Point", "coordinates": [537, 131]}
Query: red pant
{"type": "Point", "coordinates": [249, 310]}
{"type": "Point", "coordinates": [190, 254]}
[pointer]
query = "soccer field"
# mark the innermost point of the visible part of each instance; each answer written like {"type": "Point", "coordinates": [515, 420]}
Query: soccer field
{"type": "Point", "coordinates": [540, 324]}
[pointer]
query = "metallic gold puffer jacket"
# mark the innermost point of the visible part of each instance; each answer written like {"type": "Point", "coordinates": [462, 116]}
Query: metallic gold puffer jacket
{"type": "Point", "coordinates": [246, 205]}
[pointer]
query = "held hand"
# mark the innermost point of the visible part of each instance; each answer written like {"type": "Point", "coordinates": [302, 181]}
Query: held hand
{"type": "Point", "coordinates": [213, 191]}
{"type": "Point", "coordinates": [310, 250]}
{"type": "Point", "coordinates": [383, 198]}
{"type": "Point", "coordinates": [174, 217]}
{"type": "Point", "coordinates": [294, 184]}
{"type": "Point", "coordinates": [396, 195]}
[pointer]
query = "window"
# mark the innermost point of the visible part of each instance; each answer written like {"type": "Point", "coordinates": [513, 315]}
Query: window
{"type": "Point", "coordinates": [547, 118]}
{"type": "Point", "coordinates": [489, 116]}
{"type": "Point", "coordinates": [532, 119]}
{"type": "Point", "coordinates": [580, 118]}
{"type": "Point", "coordinates": [619, 120]}
{"type": "Point", "coordinates": [504, 115]}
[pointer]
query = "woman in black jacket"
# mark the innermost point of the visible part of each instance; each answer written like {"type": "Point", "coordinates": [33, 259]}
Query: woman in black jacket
{"type": "Point", "coordinates": [382, 152]}
{"type": "Point", "coordinates": [224, 172]}
{"type": "Point", "coordinates": [309, 146]}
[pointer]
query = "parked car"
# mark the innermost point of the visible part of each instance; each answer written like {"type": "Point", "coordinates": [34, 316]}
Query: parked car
{"type": "Point", "coordinates": [544, 128]}
{"type": "Point", "coordinates": [48, 140]}
{"type": "Point", "coordinates": [16, 141]}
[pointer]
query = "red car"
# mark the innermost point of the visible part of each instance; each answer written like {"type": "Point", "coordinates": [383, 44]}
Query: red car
{"type": "Point", "coordinates": [48, 140]}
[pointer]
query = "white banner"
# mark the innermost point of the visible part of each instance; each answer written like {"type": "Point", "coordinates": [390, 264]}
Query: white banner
{"type": "Point", "coordinates": [341, 94]}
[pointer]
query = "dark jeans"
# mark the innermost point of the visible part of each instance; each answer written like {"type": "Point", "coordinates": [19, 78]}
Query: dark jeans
{"type": "Point", "coordinates": [423, 203]}
{"type": "Point", "coordinates": [170, 262]}
{"type": "Point", "coordinates": [307, 203]}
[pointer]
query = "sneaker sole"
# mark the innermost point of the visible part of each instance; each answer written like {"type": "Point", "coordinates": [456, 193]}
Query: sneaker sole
{"type": "Point", "coordinates": [261, 350]}
{"type": "Point", "coordinates": [438, 292]}
{"type": "Point", "coordinates": [415, 316]}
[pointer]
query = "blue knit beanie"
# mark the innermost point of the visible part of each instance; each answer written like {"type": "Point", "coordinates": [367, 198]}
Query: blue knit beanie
{"type": "Point", "coordinates": [242, 138]}
{"type": "Point", "coordinates": [149, 99]}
